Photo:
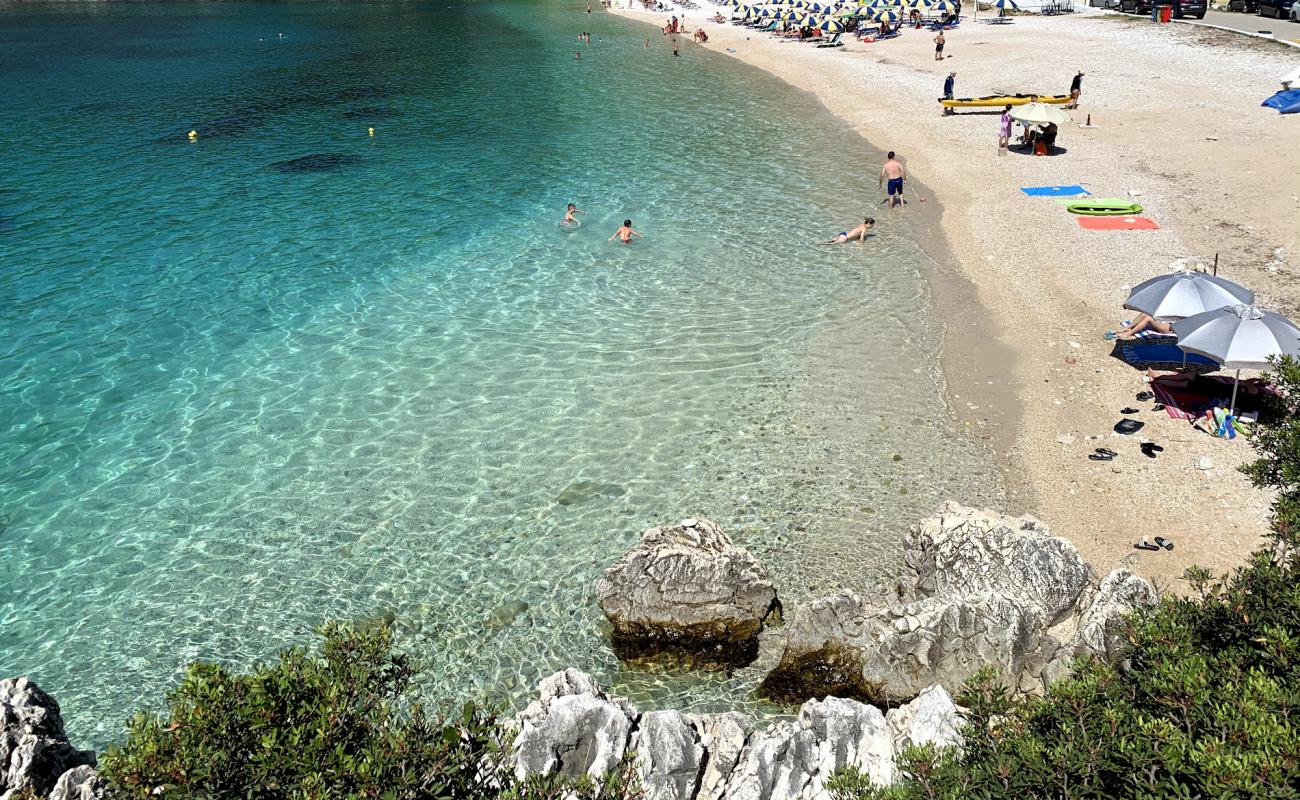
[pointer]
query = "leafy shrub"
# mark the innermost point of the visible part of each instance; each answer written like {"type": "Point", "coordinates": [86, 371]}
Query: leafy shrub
{"type": "Point", "coordinates": [338, 724]}
{"type": "Point", "coordinates": [1206, 705]}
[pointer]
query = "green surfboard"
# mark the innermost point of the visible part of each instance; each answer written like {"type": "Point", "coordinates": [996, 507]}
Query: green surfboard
{"type": "Point", "coordinates": [1104, 207]}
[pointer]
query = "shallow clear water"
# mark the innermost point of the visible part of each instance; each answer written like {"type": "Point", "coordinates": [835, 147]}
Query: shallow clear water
{"type": "Point", "coordinates": [241, 394]}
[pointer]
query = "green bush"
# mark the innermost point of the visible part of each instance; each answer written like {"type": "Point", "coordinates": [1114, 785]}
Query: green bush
{"type": "Point", "coordinates": [338, 724]}
{"type": "Point", "coordinates": [1206, 705]}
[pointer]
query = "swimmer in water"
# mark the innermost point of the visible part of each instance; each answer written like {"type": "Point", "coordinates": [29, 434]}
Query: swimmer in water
{"type": "Point", "coordinates": [625, 233]}
{"type": "Point", "coordinates": [859, 233]}
{"type": "Point", "coordinates": [570, 216]}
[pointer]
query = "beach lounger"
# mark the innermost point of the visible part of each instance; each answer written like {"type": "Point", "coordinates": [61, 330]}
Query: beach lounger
{"type": "Point", "coordinates": [834, 42]}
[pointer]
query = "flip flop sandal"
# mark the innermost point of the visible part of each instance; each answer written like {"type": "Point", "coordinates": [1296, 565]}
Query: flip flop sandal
{"type": "Point", "coordinates": [1109, 336]}
{"type": "Point", "coordinates": [1106, 451]}
{"type": "Point", "coordinates": [1158, 407]}
{"type": "Point", "coordinates": [1128, 410]}
{"type": "Point", "coordinates": [1100, 457]}
{"type": "Point", "coordinates": [1149, 449]}
{"type": "Point", "coordinates": [1163, 542]}
{"type": "Point", "coordinates": [1145, 395]}
{"type": "Point", "coordinates": [1144, 545]}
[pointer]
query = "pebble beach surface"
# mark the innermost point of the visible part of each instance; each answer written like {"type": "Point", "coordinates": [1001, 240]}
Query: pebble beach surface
{"type": "Point", "coordinates": [1176, 125]}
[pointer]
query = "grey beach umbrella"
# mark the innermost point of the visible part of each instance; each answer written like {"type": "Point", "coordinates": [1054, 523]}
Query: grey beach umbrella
{"type": "Point", "coordinates": [1239, 337]}
{"type": "Point", "coordinates": [1185, 294]}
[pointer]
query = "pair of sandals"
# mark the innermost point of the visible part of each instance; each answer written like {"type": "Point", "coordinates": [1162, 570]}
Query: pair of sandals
{"type": "Point", "coordinates": [1161, 544]}
{"type": "Point", "coordinates": [1103, 454]}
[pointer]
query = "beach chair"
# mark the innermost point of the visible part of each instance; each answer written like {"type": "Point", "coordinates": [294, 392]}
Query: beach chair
{"type": "Point", "coordinates": [834, 42]}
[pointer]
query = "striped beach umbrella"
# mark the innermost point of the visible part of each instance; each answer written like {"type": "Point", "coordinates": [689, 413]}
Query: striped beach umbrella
{"type": "Point", "coordinates": [830, 26]}
{"type": "Point", "coordinates": [809, 20]}
{"type": "Point", "coordinates": [943, 6]}
{"type": "Point", "coordinates": [1005, 4]}
{"type": "Point", "coordinates": [887, 15]}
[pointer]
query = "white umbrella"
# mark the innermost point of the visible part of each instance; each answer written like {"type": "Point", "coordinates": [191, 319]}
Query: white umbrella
{"type": "Point", "coordinates": [1239, 337]}
{"type": "Point", "coordinates": [1039, 114]}
{"type": "Point", "coordinates": [1185, 294]}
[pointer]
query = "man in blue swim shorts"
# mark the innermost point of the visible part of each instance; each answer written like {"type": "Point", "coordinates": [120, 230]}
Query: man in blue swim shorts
{"type": "Point", "coordinates": [894, 172]}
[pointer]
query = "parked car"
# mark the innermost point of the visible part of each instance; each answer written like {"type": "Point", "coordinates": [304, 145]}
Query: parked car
{"type": "Point", "coordinates": [1182, 8]}
{"type": "Point", "coordinates": [1247, 6]}
{"type": "Point", "coordinates": [1281, 9]}
{"type": "Point", "coordinates": [1295, 12]}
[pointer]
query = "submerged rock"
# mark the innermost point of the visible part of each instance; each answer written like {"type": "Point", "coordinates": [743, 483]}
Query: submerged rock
{"type": "Point", "coordinates": [586, 491]}
{"type": "Point", "coordinates": [316, 162]}
{"type": "Point", "coordinates": [981, 590]}
{"type": "Point", "coordinates": [34, 752]}
{"type": "Point", "coordinates": [687, 587]}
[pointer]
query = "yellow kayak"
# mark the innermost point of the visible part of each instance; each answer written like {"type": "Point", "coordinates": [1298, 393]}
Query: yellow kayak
{"type": "Point", "coordinates": [1005, 100]}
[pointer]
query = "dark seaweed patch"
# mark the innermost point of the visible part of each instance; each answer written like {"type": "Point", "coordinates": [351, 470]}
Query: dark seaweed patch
{"type": "Point", "coordinates": [316, 162]}
{"type": "Point", "coordinates": [371, 112]}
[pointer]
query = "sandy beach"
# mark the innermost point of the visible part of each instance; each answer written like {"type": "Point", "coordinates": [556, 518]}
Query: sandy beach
{"type": "Point", "coordinates": [1176, 124]}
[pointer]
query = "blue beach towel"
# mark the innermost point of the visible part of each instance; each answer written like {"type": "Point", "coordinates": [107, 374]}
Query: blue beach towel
{"type": "Point", "coordinates": [1055, 191]}
{"type": "Point", "coordinates": [1286, 101]}
{"type": "Point", "coordinates": [1161, 356]}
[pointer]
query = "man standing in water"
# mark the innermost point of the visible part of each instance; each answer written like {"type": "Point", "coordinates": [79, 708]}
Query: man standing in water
{"type": "Point", "coordinates": [894, 172]}
{"type": "Point", "coordinates": [625, 233]}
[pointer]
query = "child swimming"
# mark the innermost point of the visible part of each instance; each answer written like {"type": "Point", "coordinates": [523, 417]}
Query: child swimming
{"type": "Point", "coordinates": [625, 233]}
{"type": "Point", "coordinates": [570, 217]}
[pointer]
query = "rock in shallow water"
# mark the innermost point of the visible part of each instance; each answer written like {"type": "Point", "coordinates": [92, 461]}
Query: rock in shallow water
{"type": "Point", "coordinates": [982, 589]}
{"type": "Point", "coordinates": [687, 587]}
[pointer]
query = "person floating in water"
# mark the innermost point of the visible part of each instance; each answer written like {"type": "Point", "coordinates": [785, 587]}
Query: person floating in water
{"type": "Point", "coordinates": [570, 217]}
{"type": "Point", "coordinates": [859, 233]}
{"type": "Point", "coordinates": [625, 233]}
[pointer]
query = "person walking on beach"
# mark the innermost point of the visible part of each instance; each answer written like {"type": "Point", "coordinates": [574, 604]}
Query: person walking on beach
{"type": "Point", "coordinates": [859, 233]}
{"type": "Point", "coordinates": [938, 47]}
{"type": "Point", "coordinates": [1004, 130]}
{"type": "Point", "coordinates": [589, 8]}
{"type": "Point", "coordinates": [625, 233]}
{"type": "Point", "coordinates": [948, 83]}
{"type": "Point", "coordinates": [895, 173]}
{"type": "Point", "coordinates": [1076, 89]}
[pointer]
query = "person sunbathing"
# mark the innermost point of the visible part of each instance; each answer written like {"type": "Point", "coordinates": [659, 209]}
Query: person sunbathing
{"type": "Point", "coordinates": [1141, 323]}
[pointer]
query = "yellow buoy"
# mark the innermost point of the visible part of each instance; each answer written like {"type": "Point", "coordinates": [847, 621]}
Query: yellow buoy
{"type": "Point", "coordinates": [194, 136]}
{"type": "Point", "coordinates": [372, 131]}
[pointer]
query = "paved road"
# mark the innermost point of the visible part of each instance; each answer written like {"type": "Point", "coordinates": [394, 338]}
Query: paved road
{"type": "Point", "coordinates": [1253, 23]}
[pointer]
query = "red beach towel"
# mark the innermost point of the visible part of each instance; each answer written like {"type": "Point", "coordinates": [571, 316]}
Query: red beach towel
{"type": "Point", "coordinates": [1117, 224]}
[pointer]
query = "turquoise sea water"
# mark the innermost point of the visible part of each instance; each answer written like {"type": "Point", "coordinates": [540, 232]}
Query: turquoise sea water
{"type": "Point", "coordinates": [291, 372]}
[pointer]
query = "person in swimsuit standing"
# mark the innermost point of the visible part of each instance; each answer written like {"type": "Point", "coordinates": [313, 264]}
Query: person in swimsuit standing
{"type": "Point", "coordinates": [895, 173]}
{"type": "Point", "coordinates": [1004, 128]}
{"type": "Point", "coordinates": [1076, 88]}
{"type": "Point", "coordinates": [938, 47]}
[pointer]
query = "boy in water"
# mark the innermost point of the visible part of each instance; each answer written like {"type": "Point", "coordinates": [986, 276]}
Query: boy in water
{"type": "Point", "coordinates": [625, 233]}
{"type": "Point", "coordinates": [570, 216]}
{"type": "Point", "coordinates": [859, 233]}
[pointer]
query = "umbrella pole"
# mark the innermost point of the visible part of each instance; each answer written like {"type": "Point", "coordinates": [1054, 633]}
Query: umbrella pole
{"type": "Point", "coordinates": [1232, 407]}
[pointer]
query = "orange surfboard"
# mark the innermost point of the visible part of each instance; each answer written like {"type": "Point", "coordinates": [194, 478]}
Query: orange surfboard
{"type": "Point", "coordinates": [1117, 224]}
